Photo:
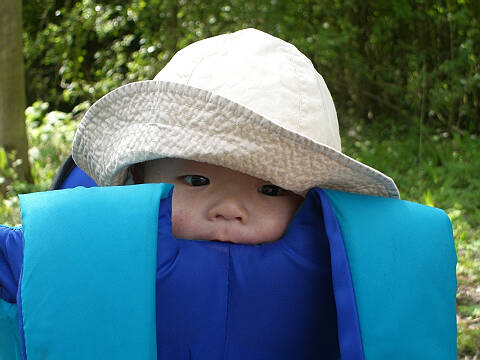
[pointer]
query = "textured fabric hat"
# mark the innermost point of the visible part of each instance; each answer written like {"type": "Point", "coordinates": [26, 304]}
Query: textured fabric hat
{"type": "Point", "coordinates": [247, 101]}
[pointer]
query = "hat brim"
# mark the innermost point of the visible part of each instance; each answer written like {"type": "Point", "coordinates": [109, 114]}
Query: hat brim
{"type": "Point", "coordinates": [151, 119]}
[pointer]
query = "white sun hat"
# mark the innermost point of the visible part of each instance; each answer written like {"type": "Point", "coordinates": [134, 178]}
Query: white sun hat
{"type": "Point", "coordinates": [247, 101]}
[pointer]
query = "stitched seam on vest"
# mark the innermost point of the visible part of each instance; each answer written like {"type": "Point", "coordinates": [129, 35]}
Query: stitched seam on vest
{"type": "Point", "coordinates": [227, 303]}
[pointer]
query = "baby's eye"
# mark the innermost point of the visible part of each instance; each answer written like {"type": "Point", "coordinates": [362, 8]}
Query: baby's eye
{"type": "Point", "coordinates": [272, 190]}
{"type": "Point", "coordinates": [196, 180]}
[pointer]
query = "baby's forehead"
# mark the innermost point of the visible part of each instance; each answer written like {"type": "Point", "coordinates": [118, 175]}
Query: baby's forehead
{"type": "Point", "coordinates": [176, 164]}
{"type": "Point", "coordinates": [168, 165]}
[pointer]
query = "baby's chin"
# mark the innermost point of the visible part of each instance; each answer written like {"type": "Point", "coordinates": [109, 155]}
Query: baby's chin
{"type": "Point", "coordinates": [244, 241]}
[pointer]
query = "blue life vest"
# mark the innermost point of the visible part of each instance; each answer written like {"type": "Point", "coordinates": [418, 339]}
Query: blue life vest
{"type": "Point", "coordinates": [366, 277]}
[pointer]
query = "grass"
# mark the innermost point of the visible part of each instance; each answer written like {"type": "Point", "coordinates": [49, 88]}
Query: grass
{"type": "Point", "coordinates": [440, 170]}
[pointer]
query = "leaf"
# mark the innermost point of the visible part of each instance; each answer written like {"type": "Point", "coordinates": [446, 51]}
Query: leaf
{"type": "Point", "coordinates": [3, 159]}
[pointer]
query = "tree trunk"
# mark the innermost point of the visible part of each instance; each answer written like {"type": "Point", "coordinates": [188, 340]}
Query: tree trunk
{"type": "Point", "coordinates": [13, 136]}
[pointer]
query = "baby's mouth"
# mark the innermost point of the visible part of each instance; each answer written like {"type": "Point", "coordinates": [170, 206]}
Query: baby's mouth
{"type": "Point", "coordinates": [221, 239]}
{"type": "Point", "coordinates": [231, 235]}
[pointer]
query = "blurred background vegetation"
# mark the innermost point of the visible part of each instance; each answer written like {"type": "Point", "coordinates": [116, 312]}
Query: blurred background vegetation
{"type": "Point", "coordinates": [404, 75]}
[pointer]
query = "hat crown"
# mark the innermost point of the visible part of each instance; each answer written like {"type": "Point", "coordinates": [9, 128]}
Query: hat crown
{"type": "Point", "coordinates": [263, 73]}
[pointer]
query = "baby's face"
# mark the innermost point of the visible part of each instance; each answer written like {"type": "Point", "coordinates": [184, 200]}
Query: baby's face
{"type": "Point", "coordinates": [215, 203]}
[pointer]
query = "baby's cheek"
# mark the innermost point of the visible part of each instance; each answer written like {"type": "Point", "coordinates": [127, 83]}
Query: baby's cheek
{"type": "Point", "coordinates": [180, 221]}
{"type": "Point", "coordinates": [274, 226]}
{"type": "Point", "coordinates": [269, 230]}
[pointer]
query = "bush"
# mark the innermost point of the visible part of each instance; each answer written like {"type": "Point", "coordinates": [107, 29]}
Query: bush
{"type": "Point", "coordinates": [50, 136]}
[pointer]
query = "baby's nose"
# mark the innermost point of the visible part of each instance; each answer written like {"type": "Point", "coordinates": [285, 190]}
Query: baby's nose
{"type": "Point", "coordinates": [229, 208]}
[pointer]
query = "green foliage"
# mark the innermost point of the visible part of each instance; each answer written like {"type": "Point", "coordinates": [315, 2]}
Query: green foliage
{"type": "Point", "coordinates": [381, 59]}
{"type": "Point", "coordinates": [50, 136]}
{"type": "Point", "coordinates": [80, 51]}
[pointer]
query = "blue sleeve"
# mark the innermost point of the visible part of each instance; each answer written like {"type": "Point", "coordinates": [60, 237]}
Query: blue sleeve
{"type": "Point", "coordinates": [11, 261]}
